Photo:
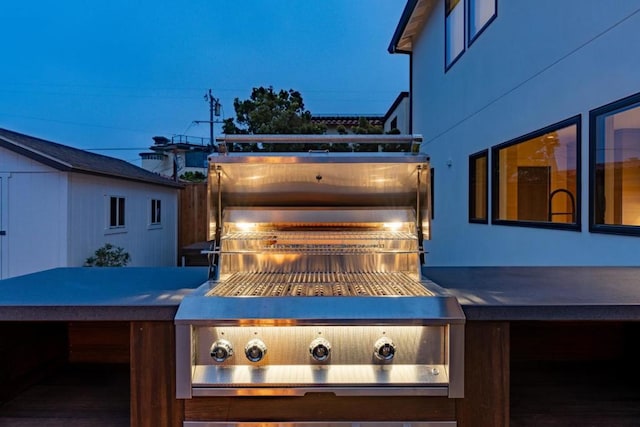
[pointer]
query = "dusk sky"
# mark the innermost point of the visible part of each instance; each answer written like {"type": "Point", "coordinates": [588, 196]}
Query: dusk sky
{"type": "Point", "coordinates": [114, 73]}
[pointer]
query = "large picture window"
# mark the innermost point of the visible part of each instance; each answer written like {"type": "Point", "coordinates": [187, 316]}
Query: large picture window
{"type": "Point", "coordinates": [478, 184]}
{"type": "Point", "coordinates": [536, 178]}
{"type": "Point", "coordinates": [615, 167]}
{"type": "Point", "coordinates": [454, 30]}
{"type": "Point", "coordinates": [481, 13]}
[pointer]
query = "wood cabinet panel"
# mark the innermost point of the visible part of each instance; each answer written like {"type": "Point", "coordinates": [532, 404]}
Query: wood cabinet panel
{"type": "Point", "coordinates": [153, 383]}
{"type": "Point", "coordinates": [486, 372]}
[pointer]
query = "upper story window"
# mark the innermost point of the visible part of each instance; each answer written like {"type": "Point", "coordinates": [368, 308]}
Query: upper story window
{"type": "Point", "coordinates": [116, 212]}
{"type": "Point", "coordinates": [615, 167]}
{"type": "Point", "coordinates": [464, 21]}
{"type": "Point", "coordinates": [454, 30]}
{"type": "Point", "coordinates": [536, 178]}
{"type": "Point", "coordinates": [478, 187]}
{"type": "Point", "coordinates": [481, 13]}
{"type": "Point", "coordinates": [156, 212]}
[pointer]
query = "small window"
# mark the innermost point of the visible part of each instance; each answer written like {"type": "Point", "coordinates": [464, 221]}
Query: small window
{"type": "Point", "coordinates": [454, 31]}
{"type": "Point", "coordinates": [536, 178]}
{"type": "Point", "coordinates": [116, 212]}
{"type": "Point", "coordinates": [615, 167]}
{"type": "Point", "coordinates": [156, 211]}
{"type": "Point", "coordinates": [478, 185]}
{"type": "Point", "coordinates": [394, 123]}
{"type": "Point", "coordinates": [481, 13]}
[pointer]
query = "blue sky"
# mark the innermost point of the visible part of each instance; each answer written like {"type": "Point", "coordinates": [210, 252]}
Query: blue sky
{"type": "Point", "coordinates": [105, 74]}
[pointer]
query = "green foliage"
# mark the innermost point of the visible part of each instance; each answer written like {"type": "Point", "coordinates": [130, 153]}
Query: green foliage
{"type": "Point", "coordinates": [366, 128]}
{"type": "Point", "coordinates": [193, 176]}
{"type": "Point", "coordinates": [108, 256]}
{"type": "Point", "coordinates": [272, 112]}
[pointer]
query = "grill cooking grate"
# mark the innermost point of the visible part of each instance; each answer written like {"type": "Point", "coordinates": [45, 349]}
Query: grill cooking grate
{"type": "Point", "coordinates": [319, 284]}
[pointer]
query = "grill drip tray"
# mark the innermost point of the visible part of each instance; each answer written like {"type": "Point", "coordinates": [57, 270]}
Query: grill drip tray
{"type": "Point", "coordinates": [322, 424]}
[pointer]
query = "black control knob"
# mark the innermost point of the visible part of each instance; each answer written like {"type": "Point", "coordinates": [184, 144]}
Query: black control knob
{"type": "Point", "coordinates": [221, 350]}
{"type": "Point", "coordinates": [320, 349]}
{"type": "Point", "coordinates": [384, 349]}
{"type": "Point", "coordinates": [255, 350]}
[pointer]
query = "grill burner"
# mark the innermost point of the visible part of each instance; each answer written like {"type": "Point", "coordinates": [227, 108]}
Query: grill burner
{"type": "Point", "coordinates": [319, 284]}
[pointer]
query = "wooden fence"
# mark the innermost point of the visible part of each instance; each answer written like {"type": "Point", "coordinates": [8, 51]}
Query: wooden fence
{"type": "Point", "coordinates": [192, 223]}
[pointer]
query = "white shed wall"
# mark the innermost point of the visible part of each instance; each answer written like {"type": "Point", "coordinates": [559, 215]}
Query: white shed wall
{"type": "Point", "coordinates": [89, 216]}
{"type": "Point", "coordinates": [34, 208]}
{"type": "Point", "coordinates": [538, 63]}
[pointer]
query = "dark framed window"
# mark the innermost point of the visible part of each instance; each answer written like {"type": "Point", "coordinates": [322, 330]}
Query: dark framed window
{"type": "Point", "coordinates": [156, 211]}
{"type": "Point", "coordinates": [454, 31]}
{"type": "Point", "coordinates": [536, 178]}
{"type": "Point", "coordinates": [394, 123]}
{"type": "Point", "coordinates": [478, 187]}
{"type": "Point", "coordinates": [481, 14]}
{"type": "Point", "coordinates": [116, 212]}
{"type": "Point", "coordinates": [614, 142]}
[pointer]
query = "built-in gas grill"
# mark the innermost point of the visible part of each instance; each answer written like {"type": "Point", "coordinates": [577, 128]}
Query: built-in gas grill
{"type": "Point", "coordinates": [316, 282]}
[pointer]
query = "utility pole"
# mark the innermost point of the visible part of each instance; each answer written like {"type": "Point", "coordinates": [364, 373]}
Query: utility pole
{"type": "Point", "coordinates": [214, 109]}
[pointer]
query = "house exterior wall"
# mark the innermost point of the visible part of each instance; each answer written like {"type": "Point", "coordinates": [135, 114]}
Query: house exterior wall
{"type": "Point", "coordinates": [402, 114]}
{"type": "Point", "coordinates": [149, 245]}
{"type": "Point", "coordinates": [536, 64]}
{"type": "Point", "coordinates": [33, 214]}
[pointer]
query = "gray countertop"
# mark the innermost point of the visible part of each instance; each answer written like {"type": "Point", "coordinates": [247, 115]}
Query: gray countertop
{"type": "Point", "coordinates": [66, 294]}
{"type": "Point", "coordinates": [542, 293]}
{"type": "Point", "coordinates": [485, 293]}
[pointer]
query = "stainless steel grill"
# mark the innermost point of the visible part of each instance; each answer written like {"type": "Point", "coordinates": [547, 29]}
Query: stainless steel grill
{"type": "Point", "coordinates": [316, 282]}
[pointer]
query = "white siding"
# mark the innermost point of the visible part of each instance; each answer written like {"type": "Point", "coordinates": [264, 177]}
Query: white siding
{"type": "Point", "coordinates": [538, 63]}
{"type": "Point", "coordinates": [89, 216]}
{"type": "Point", "coordinates": [34, 216]}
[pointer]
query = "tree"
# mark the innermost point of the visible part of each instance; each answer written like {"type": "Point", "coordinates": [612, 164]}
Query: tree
{"type": "Point", "coordinates": [271, 112]}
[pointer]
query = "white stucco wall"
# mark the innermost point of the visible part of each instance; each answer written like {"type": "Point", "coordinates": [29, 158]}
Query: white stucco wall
{"type": "Point", "coordinates": [89, 216]}
{"type": "Point", "coordinates": [537, 64]}
{"type": "Point", "coordinates": [33, 209]}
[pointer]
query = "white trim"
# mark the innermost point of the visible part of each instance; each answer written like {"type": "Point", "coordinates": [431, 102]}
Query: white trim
{"type": "Point", "coordinates": [39, 153]}
{"type": "Point", "coordinates": [4, 223]}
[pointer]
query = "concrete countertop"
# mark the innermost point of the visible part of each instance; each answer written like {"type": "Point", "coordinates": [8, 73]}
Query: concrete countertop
{"type": "Point", "coordinates": [77, 294]}
{"type": "Point", "coordinates": [485, 293]}
{"type": "Point", "coordinates": [542, 293]}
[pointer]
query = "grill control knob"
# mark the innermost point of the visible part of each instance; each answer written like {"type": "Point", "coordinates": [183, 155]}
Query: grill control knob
{"type": "Point", "coordinates": [320, 349]}
{"type": "Point", "coordinates": [221, 350]}
{"type": "Point", "coordinates": [255, 350]}
{"type": "Point", "coordinates": [384, 349]}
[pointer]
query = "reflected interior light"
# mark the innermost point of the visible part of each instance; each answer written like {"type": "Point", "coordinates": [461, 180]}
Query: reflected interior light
{"type": "Point", "coordinates": [393, 226]}
{"type": "Point", "coordinates": [246, 226]}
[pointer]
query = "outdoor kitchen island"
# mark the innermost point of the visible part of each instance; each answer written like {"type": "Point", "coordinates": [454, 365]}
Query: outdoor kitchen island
{"type": "Point", "coordinates": [543, 346]}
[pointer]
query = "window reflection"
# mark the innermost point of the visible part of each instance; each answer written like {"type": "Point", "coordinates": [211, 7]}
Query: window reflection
{"type": "Point", "coordinates": [536, 177]}
{"type": "Point", "coordinates": [617, 167]}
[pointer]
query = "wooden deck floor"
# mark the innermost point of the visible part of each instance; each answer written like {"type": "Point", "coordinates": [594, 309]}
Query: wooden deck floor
{"type": "Point", "coordinates": [78, 395]}
{"type": "Point", "coordinates": [542, 395]}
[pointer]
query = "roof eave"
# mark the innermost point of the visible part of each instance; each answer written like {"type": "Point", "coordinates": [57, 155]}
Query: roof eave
{"type": "Point", "coordinates": [401, 27]}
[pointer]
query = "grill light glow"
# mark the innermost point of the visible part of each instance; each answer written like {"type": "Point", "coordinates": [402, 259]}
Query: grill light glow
{"type": "Point", "coordinates": [393, 226]}
{"type": "Point", "coordinates": [246, 226]}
